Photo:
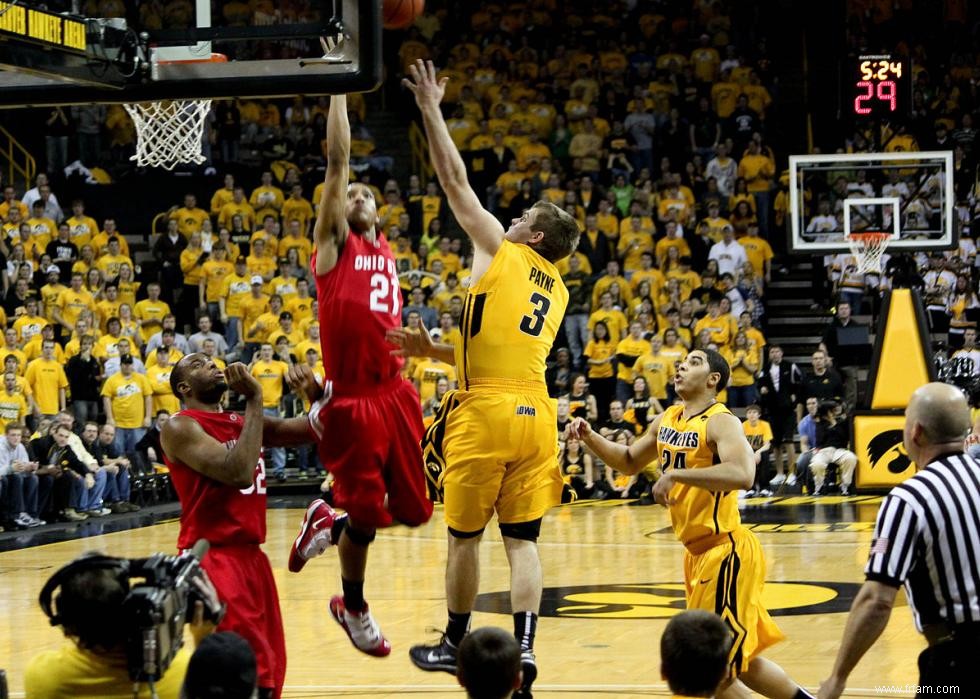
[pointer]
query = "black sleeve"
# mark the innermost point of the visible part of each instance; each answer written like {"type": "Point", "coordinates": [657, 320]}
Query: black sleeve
{"type": "Point", "coordinates": [146, 440]}
{"type": "Point", "coordinates": [894, 541]}
{"type": "Point", "coordinates": [627, 359]}
{"type": "Point", "coordinates": [821, 435]}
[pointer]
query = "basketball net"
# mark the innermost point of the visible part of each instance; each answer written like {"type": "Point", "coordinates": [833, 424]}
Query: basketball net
{"type": "Point", "coordinates": [867, 248]}
{"type": "Point", "coordinates": [169, 133]}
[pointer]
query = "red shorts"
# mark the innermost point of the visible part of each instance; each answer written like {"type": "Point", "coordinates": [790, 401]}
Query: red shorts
{"type": "Point", "coordinates": [243, 578]}
{"type": "Point", "coordinates": [371, 443]}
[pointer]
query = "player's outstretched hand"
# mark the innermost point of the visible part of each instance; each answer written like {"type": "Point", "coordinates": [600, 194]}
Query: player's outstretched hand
{"type": "Point", "coordinates": [428, 89]}
{"type": "Point", "coordinates": [579, 428]}
{"type": "Point", "coordinates": [411, 343]}
{"type": "Point", "coordinates": [241, 381]}
{"type": "Point", "coordinates": [301, 380]}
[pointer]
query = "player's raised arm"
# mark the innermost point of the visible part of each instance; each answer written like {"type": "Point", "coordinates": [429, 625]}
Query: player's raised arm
{"type": "Point", "coordinates": [628, 460]}
{"type": "Point", "coordinates": [331, 228]}
{"type": "Point", "coordinates": [184, 440]}
{"type": "Point", "coordinates": [296, 431]}
{"type": "Point", "coordinates": [481, 226]}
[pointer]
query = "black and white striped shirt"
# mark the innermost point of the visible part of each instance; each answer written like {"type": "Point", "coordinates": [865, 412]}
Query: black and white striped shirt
{"type": "Point", "coordinates": [927, 537]}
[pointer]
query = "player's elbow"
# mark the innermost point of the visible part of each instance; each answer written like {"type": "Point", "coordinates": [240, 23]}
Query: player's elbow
{"type": "Point", "coordinates": [747, 476]}
{"type": "Point", "coordinates": [453, 181]}
{"type": "Point", "coordinates": [239, 475]}
{"type": "Point", "coordinates": [338, 155]}
{"type": "Point", "coordinates": [241, 481]}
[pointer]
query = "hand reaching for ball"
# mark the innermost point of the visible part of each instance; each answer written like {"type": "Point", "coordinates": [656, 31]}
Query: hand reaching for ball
{"type": "Point", "coordinates": [427, 88]}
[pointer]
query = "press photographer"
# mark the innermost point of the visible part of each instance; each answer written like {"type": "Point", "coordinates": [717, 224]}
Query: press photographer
{"type": "Point", "coordinates": [125, 619]}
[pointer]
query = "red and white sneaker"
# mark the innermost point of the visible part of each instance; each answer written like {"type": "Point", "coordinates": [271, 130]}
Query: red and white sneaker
{"type": "Point", "coordinates": [315, 535]}
{"type": "Point", "coordinates": [361, 628]}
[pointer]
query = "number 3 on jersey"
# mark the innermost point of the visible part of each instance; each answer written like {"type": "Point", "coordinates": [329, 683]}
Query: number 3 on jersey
{"type": "Point", "coordinates": [381, 286]}
{"type": "Point", "coordinates": [534, 323]}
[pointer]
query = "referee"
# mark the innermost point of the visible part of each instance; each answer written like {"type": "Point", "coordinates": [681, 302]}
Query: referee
{"type": "Point", "coordinates": [927, 537]}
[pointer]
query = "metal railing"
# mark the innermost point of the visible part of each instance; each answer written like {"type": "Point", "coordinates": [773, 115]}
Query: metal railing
{"type": "Point", "coordinates": [420, 153]}
{"type": "Point", "coordinates": [19, 161]}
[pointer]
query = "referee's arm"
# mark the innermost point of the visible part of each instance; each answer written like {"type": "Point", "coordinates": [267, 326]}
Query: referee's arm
{"type": "Point", "coordinates": [888, 566]}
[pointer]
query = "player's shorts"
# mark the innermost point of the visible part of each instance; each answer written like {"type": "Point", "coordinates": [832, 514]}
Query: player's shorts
{"type": "Point", "coordinates": [243, 578]}
{"type": "Point", "coordinates": [370, 442]}
{"type": "Point", "coordinates": [727, 579]}
{"type": "Point", "coordinates": [499, 445]}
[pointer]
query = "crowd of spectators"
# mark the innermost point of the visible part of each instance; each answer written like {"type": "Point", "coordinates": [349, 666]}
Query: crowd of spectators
{"type": "Point", "coordinates": [652, 132]}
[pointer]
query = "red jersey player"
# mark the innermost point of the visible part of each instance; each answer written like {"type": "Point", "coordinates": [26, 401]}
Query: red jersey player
{"type": "Point", "coordinates": [373, 421]}
{"type": "Point", "coordinates": [216, 464]}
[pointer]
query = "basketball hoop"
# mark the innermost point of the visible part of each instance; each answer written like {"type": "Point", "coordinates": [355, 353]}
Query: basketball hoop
{"type": "Point", "coordinates": [170, 132]}
{"type": "Point", "coordinates": [867, 248]}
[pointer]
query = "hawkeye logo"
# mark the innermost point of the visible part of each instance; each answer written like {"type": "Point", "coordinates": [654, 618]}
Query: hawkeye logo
{"type": "Point", "coordinates": [665, 599]}
{"type": "Point", "coordinates": [887, 449]}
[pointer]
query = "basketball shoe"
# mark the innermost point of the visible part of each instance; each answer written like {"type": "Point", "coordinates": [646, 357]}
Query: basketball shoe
{"type": "Point", "coordinates": [321, 529]}
{"type": "Point", "coordinates": [361, 628]}
{"type": "Point", "coordinates": [438, 656]}
{"type": "Point", "coordinates": [529, 672]}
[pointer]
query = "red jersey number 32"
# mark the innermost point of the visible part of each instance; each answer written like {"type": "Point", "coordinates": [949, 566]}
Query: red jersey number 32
{"type": "Point", "coordinates": [258, 486]}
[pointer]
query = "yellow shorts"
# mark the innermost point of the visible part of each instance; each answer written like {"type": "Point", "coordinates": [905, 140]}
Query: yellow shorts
{"type": "Point", "coordinates": [727, 579]}
{"type": "Point", "coordinates": [499, 452]}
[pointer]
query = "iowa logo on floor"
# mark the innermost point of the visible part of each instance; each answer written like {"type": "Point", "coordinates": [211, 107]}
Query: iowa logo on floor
{"type": "Point", "coordinates": [661, 600]}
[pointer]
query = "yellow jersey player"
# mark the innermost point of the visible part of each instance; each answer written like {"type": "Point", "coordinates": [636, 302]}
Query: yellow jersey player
{"type": "Point", "coordinates": [705, 460]}
{"type": "Point", "coordinates": [498, 434]}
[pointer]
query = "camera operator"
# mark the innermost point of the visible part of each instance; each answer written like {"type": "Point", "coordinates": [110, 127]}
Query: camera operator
{"type": "Point", "coordinates": [89, 608]}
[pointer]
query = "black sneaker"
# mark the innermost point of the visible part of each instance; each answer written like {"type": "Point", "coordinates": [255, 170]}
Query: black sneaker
{"type": "Point", "coordinates": [440, 656]}
{"type": "Point", "coordinates": [529, 670]}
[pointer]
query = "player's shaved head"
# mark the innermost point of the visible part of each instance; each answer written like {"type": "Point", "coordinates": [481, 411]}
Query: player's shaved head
{"type": "Point", "coordinates": [194, 376]}
{"type": "Point", "coordinates": [942, 413]}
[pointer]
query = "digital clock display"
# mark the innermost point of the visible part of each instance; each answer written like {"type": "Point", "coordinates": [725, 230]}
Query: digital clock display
{"type": "Point", "coordinates": [880, 86]}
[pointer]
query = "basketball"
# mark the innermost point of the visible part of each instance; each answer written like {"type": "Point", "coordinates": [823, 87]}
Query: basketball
{"type": "Point", "coordinates": [398, 14]}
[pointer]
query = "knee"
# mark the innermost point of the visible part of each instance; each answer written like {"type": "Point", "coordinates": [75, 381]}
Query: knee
{"type": "Point", "coordinates": [360, 535]}
{"type": "Point", "coordinates": [522, 531]}
{"type": "Point", "coordinates": [458, 537]}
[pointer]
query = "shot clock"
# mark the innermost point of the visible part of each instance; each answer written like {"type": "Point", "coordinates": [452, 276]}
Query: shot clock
{"type": "Point", "coordinates": [878, 86]}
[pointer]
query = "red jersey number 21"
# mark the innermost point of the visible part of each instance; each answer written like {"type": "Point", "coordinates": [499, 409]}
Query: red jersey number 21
{"type": "Point", "coordinates": [383, 287]}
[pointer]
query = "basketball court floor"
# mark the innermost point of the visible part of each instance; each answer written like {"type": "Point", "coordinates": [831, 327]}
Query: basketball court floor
{"type": "Point", "coordinates": [613, 577]}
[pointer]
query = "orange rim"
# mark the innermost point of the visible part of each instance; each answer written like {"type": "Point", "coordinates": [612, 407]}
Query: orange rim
{"type": "Point", "coordinates": [869, 237]}
{"type": "Point", "coordinates": [214, 58]}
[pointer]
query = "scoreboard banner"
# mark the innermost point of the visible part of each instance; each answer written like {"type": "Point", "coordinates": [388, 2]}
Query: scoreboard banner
{"type": "Point", "coordinates": [40, 27]}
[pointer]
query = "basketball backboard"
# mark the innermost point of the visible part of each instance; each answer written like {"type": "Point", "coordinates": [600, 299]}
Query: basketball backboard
{"type": "Point", "coordinates": [164, 51]}
{"type": "Point", "coordinates": [908, 195]}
